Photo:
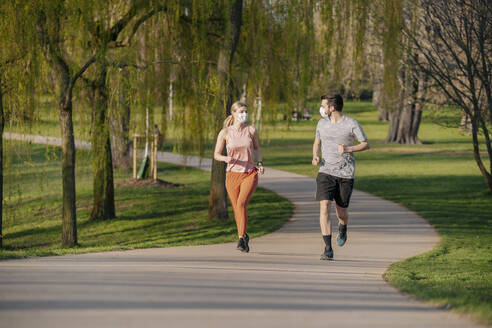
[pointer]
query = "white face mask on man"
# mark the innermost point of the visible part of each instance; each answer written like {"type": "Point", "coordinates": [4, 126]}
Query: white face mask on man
{"type": "Point", "coordinates": [323, 112]}
{"type": "Point", "coordinates": [242, 117]}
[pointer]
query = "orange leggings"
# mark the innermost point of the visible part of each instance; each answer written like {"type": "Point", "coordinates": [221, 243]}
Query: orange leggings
{"type": "Point", "coordinates": [240, 188]}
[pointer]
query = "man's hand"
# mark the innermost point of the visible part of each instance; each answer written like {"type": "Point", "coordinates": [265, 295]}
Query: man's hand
{"type": "Point", "coordinates": [315, 160]}
{"type": "Point", "coordinates": [342, 149]}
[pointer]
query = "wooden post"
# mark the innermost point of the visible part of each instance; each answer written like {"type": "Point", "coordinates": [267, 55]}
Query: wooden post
{"type": "Point", "coordinates": [156, 139]}
{"type": "Point", "coordinates": [134, 157]}
{"type": "Point", "coordinates": [151, 158]}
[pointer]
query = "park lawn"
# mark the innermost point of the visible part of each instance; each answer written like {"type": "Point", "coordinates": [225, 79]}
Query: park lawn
{"type": "Point", "coordinates": [438, 180]}
{"type": "Point", "coordinates": [146, 216]}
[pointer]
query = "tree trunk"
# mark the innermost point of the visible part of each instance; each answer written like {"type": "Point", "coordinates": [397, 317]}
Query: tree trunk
{"type": "Point", "coordinates": [406, 114]}
{"type": "Point", "coordinates": [417, 118]}
{"type": "Point", "coordinates": [476, 153]}
{"type": "Point", "coordinates": [377, 95]}
{"type": "Point", "coordinates": [217, 208]}
{"type": "Point", "coordinates": [62, 73]}
{"type": "Point", "coordinates": [103, 193]}
{"type": "Point", "coordinates": [258, 111]}
{"type": "Point", "coordinates": [418, 107]}
{"type": "Point", "coordinates": [120, 128]}
{"type": "Point", "coordinates": [394, 121]}
{"type": "Point", "coordinates": [405, 122]}
{"type": "Point", "coordinates": [69, 218]}
{"type": "Point", "coordinates": [465, 123]}
{"type": "Point", "coordinates": [2, 124]}
{"type": "Point", "coordinates": [163, 123]}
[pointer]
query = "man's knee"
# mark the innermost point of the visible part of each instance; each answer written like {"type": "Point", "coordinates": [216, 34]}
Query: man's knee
{"type": "Point", "coordinates": [324, 206]}
{"type": "Point", "coordinates": [342, 212]}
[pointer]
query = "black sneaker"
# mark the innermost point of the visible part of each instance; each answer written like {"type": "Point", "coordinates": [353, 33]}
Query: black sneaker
{"type": "Point", "coordinates": [327, 255]}
{"type": "Point", "coordinates": [342, 235]}
{"type": "Point", "coordinates": [241, 244]}
{"type": "Point", "coordinates": [246, 243]}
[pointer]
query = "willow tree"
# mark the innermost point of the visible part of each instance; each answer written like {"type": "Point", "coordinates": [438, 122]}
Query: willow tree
{"type": "Point", "coordinates": [54, 21]}
{"type": "Point", "coordinates": [6, 59]}
{"type": "Point", "coordinates": [254, 51]}
{"type": "Point", "coordinates": [341, 29]}
{"type": "Point", "coordinates": [19, 74]}
{"type": "Point", "coordinates": [229, 38]}
{"type": "Point", "coordinates": [263, 58]}
{"type": "Point", "coordinates": [2, 124]}
{"type": "Point", "coordinates": [374, 44]}
{"type": "Point", "coordinates": [298, 50]}
{"type": "Point", "coordinates": [106, 23]}
{"type": "Point", "coordinates": [360, 13]}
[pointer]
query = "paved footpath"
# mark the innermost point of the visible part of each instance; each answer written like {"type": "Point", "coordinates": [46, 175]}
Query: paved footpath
{"type": "Point", "coordinates": [280, 283]}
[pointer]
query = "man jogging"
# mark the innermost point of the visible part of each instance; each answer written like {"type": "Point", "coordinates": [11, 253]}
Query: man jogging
{"type": "Point", "coordinates": [335, 136]}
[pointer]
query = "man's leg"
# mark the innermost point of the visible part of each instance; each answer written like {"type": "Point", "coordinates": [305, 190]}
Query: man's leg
{"type": "Point", "coordinates": [342, 215]}
{"type": "Point", "coordinates": [324, 217]}
{"type": "Point", "coordinates": [342, 199]}
{"type": "Point", "coordinates": [325, 224]}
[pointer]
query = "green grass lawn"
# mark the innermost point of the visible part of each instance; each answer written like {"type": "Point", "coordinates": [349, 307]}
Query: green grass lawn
{"type": "Point", "coordinates": [439, 180]}
{"type": "Point", "coordinates": [146, 216]}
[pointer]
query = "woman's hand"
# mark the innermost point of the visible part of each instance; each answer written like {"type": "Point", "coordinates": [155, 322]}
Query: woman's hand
{"type": "Point", "coordinates": [261, 169]}
{"type": "Point", "coordinates": [227, 159]}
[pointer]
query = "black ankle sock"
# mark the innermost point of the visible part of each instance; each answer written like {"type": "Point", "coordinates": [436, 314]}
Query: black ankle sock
{"type": "Point", "coordinates": [327, 240]}
{"type": "Point", "coordinates": [343, 228]}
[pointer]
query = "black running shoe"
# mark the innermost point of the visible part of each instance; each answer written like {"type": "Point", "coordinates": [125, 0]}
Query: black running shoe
{"type": "Point", "coordinates": [241, 244]}
{"type": "Point", "coordinates": [327, 255]}
{"type": "Point", "coordinates": [246, 243]}
{"type": "Point", "coordinates": [342, 235]}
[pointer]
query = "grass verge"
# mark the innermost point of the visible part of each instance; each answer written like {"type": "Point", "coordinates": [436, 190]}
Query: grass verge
{"type": "Point", "coordinates": [147, 216]}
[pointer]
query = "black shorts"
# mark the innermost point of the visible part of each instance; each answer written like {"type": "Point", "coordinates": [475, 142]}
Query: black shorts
{"type": "Point", "coordinates": [329, 187]}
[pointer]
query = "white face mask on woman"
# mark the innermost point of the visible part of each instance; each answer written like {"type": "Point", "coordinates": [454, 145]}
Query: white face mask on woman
{"type": "Point", "coordinates": [242, 117]}
{"type": "Point", "coordinates": [322, 112]}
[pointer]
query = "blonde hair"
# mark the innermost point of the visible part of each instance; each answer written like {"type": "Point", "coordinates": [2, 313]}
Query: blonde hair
{"type": "Point", "coordinates": [236, 106]}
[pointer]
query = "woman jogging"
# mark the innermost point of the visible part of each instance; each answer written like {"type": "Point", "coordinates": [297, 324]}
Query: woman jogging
{"type": "Point", "coordinates": [241, 141]}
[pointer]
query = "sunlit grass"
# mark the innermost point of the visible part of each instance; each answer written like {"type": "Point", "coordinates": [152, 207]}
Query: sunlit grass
{"type": "Point", "coordinates": [146, 216]}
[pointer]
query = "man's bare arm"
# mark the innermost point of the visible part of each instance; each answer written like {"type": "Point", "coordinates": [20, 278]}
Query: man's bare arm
{"type": "Point", "coordinates": [364, 145]}
{"type": "Point", "coordinates": [316, 147]}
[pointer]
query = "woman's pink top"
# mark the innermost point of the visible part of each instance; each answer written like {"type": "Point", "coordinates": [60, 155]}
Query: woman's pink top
{"type": "Point", "coordinates": [239, 145]}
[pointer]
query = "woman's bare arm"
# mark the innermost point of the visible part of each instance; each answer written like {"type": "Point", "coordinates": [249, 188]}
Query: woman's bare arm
{"type": "Point", "coordinates": [219, 146]}
{"type": "Point", "coordinates": [256, 148]}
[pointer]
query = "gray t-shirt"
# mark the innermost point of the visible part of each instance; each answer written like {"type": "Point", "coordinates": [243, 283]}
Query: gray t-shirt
{"type": "Point", "coordinates": [333, 134]}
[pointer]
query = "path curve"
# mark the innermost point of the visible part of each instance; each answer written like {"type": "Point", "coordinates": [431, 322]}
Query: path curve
{"type": "Point", "coordinates": [280, 283]}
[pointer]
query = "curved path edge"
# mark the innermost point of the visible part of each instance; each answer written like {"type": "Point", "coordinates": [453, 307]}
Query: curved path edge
{"type": "Point", "coordinates": [280, 283]}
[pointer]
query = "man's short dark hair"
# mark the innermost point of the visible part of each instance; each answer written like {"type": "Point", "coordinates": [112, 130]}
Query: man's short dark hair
{"type": "Point", "coordinates": [335, 100]}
